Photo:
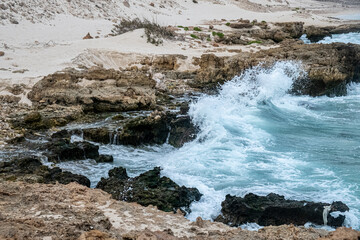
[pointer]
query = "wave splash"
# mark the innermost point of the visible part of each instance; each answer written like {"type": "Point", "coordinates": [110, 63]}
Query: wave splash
{"type": "Point", "coordinates": [256, 137]}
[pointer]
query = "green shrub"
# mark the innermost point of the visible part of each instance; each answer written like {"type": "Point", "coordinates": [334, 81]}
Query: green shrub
{"type": "Point", "coordinates": [186, 28]}
{"type": "Point", "coordinates": [219, 34]}
{"type": "Point", "coordinates": [227, 24]}
{"type": "Point", "coordinates": [194, 36]}
{"type": "Point", "coordinates": [197, 29]}
{"type": "Point", "coordinates": [153, 31]}
{"type": "Point", "coordinates": [180, 27]}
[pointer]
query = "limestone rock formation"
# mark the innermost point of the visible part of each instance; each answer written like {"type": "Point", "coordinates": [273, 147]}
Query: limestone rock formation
{"type": "Point", "coordinates": [96, 90]}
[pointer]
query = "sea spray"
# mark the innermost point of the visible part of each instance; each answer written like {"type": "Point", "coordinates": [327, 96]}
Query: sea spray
{"type": "Point", "coordinates": [353, 37]}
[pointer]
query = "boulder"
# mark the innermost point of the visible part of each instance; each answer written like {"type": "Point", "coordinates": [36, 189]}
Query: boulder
{"type": "Point", "coordinates": [149, 189]}
{"type": "Point", "coordinates": [30, 169]}
{"type": "Point", "coordinates": [274, 209]}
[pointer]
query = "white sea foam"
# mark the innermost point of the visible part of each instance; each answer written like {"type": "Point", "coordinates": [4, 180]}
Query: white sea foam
{"type": "Point", "coordinates": [353, 37]}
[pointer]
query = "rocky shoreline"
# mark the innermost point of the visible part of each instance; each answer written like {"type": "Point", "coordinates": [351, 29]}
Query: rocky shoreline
{"type": "Point", "coordinates": [143, 104]}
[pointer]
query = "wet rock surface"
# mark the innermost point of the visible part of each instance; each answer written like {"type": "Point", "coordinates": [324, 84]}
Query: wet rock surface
{"type": "Point", "coordinates": [59, 150]}
{"type": "Point", "coordinates": [182, 130]}
{"type": "Point", "coordinates": [156, 128]}
{"type": "Point", "coordinates": [274, 209]}
{"type": "Point", "coordinates": [30, 169]}
{"type": "Point", "coordinates": [145, 130]}
{"type": "Point", "coordinates": [149, 189]}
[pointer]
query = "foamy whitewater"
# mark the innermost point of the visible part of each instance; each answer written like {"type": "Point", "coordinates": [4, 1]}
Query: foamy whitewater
{"type": "Point", "coordinates": [255, 137]}
{"type": "Point", "coordinates": [353, 37]}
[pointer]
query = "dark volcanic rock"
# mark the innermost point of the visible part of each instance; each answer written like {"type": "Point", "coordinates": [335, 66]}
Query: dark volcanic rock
{"type": "Point", "coordinates": [30, 169]}
{"type": "Point", "coordinates": [182, 131]}
{"type": "Point", "coordinates": [149, 188]}
{"type": "Point", "coordinates": [105, 159]}
{"type": "Point", "coordinates": [63, 150]}
{"type": "Point", "coordinates": [145, 130]}
{"type": "Point", "coordinates": [273, 209]}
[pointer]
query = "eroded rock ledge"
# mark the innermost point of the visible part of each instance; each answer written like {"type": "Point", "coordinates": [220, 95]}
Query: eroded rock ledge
{"type": "Point", "coordinates": [36, 211]}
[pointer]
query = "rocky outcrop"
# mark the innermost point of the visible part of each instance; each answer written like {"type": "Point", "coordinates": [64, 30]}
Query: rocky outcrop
{"type": "Point", "coordinates": [275, 210]}
{"type": "Point", "coordinates": [261, 32]}
{"type": "Point", "coordinates": [316, 33]}
{"type": "Point", "coordinates": [149, 189]}
{"type": "Point", "coordinates": [42, 119]}
{"type": "Point", "coordinates": [96, 90]}
{"type": "Point", "coordinates": [30, 169]}
{"type": "Point", "coordinates": [329, 66]}
{"type": "Point", "coordinates": [100, 135]}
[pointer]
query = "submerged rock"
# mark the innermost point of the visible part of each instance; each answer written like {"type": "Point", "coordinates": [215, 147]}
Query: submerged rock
{"type": "Point", "coordinates": [149, 189]}
{"type": "Point", "coordinates": [274, 209]}
{"type": "Point", "coordinates": [30, 169]}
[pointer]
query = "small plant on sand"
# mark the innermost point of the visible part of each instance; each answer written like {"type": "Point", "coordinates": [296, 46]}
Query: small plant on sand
{"type": "Point", "coordinates": [153, 31]}
{"type": "Point", "coordinates": [180, 26]}
{"type": "Point", "coordinates": [186, 28]}
{"type": "Point", "coordinates": [194, 36]}
{"type": "Point", "coordinates": [252, 42]}
{"type": "Point", "coordinates": [197, 29]}
{"type": "Point", "coordinates": [219, 34]}
{"type": "Point", "coordinates": [227, 24]}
